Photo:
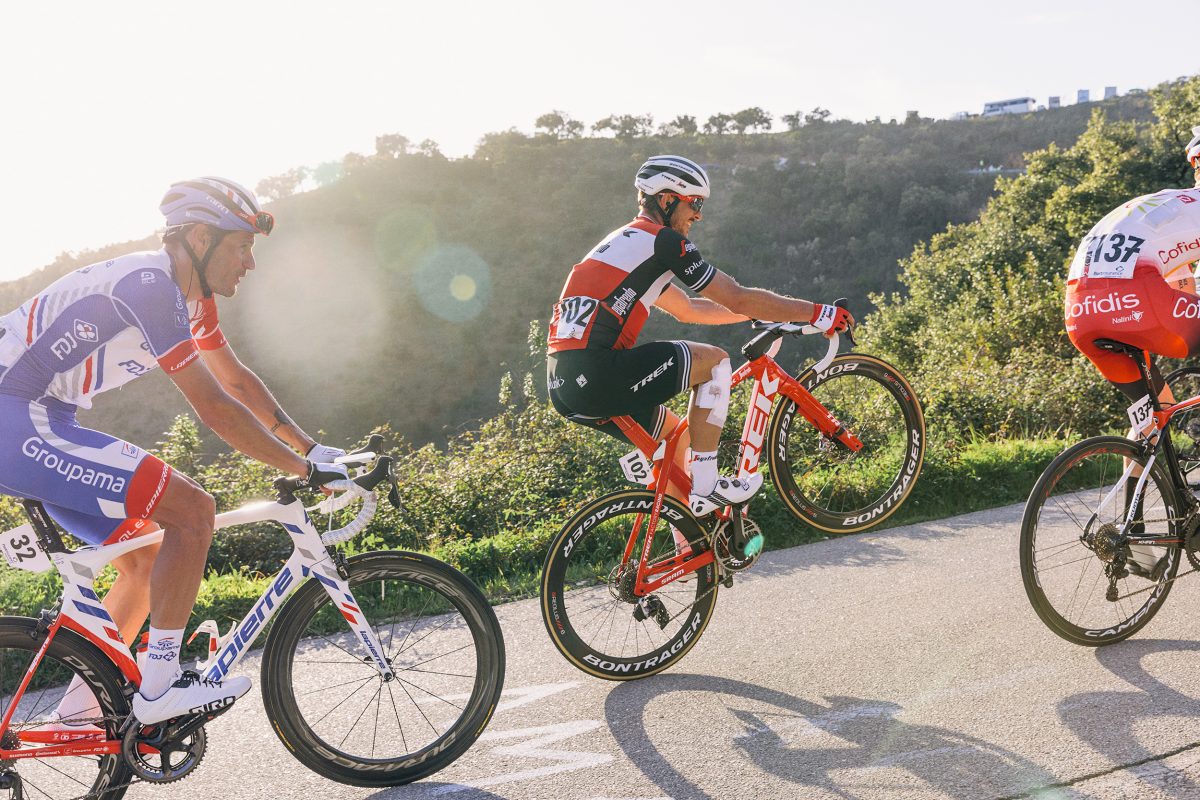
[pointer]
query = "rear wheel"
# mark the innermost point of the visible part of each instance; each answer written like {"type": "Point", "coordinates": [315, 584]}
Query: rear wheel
{"type": "Point", "coordinates": [102, 777]}
{"type": "Point", "coordinates": [1185, 384]}
{"type": "Point", "coordinates": [1071, 540]}
{"type": "Point", "coordinates": [331, 707]}
{"type": "Point", "coordinates": [829, 486]}
{"type": "Point", "coordinates": [588, 605]}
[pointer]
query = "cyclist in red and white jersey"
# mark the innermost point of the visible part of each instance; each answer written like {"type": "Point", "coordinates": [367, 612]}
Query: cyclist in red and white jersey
{"type": "Point", "coordinates": [1131, 280]}
{"type": "Point", "coordinates": [98, 328]}
{"type": "Point", "coordinates": [595, 369]}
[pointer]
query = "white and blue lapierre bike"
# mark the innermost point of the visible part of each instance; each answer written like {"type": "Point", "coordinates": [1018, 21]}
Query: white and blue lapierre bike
{"type": "Point", "coordinates": [379, 669]}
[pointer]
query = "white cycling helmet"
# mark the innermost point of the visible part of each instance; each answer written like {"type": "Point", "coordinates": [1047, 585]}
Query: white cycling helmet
{"type": "Point", "coordinates": [1193, 147]}
{"type": "Point", "coordinates": [672, 174]}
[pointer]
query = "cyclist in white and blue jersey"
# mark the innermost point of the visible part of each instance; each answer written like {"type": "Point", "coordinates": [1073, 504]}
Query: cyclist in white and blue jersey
{"type": "Point", "coordinates": [98, 328]}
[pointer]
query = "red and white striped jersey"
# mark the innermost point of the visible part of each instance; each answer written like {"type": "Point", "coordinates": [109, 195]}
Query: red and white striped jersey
{"type": "Point", "coordinates": [608, 295]}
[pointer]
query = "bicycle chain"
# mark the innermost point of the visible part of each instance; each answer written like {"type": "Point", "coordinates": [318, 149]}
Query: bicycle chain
{"type": "Point", "coordinates": [89, 720]}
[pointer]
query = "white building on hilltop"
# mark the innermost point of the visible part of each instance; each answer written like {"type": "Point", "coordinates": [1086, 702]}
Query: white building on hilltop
{"type": "Point", "coordinates": [1018, 105]}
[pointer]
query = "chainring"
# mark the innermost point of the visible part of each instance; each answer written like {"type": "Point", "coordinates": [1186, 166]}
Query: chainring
{"type": "Point", "coordinates": [144, 745]}
{"type": "Point", "coordinates": [722, 538]}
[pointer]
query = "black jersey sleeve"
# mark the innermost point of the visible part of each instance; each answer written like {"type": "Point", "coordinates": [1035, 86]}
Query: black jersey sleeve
{"type": "Point", "coordinates": [680, 256]}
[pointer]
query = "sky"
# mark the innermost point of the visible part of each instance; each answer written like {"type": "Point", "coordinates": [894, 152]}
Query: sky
{"type": "Point", "coordinates": [105, 104]}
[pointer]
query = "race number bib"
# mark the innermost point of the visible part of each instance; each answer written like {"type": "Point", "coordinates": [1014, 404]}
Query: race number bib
{"type": "Point", "coordinates": [636, 467]}
{"type": "Point", "coordinates": [1140, 414]}
{"type": "Point", "coordinates": [22, 551]}
{"type": "Point", "coordinates": [1107, 255]}
{"type": "Point", "coordinates": [574, 314]}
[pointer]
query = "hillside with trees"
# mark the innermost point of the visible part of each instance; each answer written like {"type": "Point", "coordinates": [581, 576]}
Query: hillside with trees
{"type": "Point", "coordinates": [399, 286]}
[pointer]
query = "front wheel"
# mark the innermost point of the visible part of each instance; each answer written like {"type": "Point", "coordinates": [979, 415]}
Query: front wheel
{"type": "Point", "coordinates": [829, 486]}
{"type": "Point", "coordinates": [1072, 548]}
{"type": "Point", "coordinates": [588, 602]}
{"type": "Point", "coordinates": [326, 698]}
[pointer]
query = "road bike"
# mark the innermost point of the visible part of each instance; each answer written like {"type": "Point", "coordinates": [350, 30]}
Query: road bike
{"type": "Point", "coordinates": [630, 582]}
{"type": "Point", "coordinates": [1110, 521]}
{"type": "Point", "coordinates": [379, 669]}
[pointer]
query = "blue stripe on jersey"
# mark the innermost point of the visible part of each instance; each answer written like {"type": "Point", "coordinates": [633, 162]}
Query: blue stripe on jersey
{"type": "Point", "coordinates": [40, 312]}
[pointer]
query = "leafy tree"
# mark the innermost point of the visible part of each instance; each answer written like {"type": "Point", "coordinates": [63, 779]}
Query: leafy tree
{"type": "Point", "coordinates": [626, 126]}
{"type": "Point", "coordinates": [278, 187]}
{"type": "Point", "coordinates": [817, 116]}
{"type": "Point", "coordinates": [718, 124]}
{"type": "Point", "coordinates": [794, 121]}
{"type": "Point", "coordinates": [430, 149]}
{"type": "Point", "coordinates": [557, 125]}
{"type": "Point", "coordinates": [751, 119]}
{"type": "Point", "coordinates": [683, 125]}
{"type": "Point", "coordinates": [391, 145]}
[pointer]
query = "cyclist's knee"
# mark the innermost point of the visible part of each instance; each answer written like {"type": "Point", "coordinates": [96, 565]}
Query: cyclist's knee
{"type": "Point", "coordinates": [705, 357]}
{"type": "Point", "coordinates": [186, 509]}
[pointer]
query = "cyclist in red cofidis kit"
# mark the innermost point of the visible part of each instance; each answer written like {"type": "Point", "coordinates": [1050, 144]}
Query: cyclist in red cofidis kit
{"type": "Point", "coordinates": [595, 368]}
{"type": "Point", "coordinates": [1131, 280]}
{"type": "Point", "coordinates": [98, 328]}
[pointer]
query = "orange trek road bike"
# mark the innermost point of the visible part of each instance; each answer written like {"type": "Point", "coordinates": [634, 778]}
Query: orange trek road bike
{"type": "Point", "coordinates": [630, 582]}
{"type": "Point", "coordinates": [379, 669]}
{"type": "Point", "coordinates": [1109, 522]}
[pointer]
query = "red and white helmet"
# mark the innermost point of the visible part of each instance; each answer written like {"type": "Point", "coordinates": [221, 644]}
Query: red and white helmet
{"type": "Point", "coordinates": [1193, 147]}
{"type": "Point", "coordinates": [672, 174]}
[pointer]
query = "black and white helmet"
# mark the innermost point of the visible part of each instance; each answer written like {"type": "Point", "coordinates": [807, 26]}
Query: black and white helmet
{"type": "Point", "coordinates": [672, 174]}
{"type": "Point", "coordinates": [1193, 147]}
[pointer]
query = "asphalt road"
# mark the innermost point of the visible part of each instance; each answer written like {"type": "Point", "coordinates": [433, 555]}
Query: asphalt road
{"type": "Point", "coordinates": [902, 664]}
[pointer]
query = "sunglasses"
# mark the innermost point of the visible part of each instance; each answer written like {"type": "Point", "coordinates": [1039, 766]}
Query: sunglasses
{"type": "Point", "coordinates": [262, 222]}
{"type": "Point", "coordinates": [695, 201]}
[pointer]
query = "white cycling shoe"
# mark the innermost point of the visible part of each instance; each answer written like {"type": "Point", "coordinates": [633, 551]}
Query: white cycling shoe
{"type": "Point", "coordinates": [728, 492]}
{"type": "Point", "coordinates": [189, 694]}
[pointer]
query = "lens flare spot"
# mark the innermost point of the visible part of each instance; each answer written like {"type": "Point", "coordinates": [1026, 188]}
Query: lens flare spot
{"type": "Point", "coordinates": [462, 287]}
{"type": "Point", "coordinates": [453, 282]}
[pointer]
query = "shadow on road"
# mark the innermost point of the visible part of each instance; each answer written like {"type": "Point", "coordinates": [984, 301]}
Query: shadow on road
{"type": "Point", "coordinates": [1116, 723]}
{"type": "Point", "coordinates": [839, 745]}
{"type": "Point", "coordinates": [874, 548]}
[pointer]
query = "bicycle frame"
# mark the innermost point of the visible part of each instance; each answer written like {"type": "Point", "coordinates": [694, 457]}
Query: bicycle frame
{"type": "Point", "coordinates": [770, 381]}
{"type": "Point", "coordinates": [82, 612]}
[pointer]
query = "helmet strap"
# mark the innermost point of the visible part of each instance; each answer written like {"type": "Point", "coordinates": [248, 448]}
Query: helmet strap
{"type": "Point", "coordinates": [669, 211]}
{"type": "Point", "coordinates": [200, 265]}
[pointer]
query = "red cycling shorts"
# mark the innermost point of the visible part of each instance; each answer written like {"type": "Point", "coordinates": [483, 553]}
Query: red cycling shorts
{"type": "Point", "coordinates": [1144, 311]}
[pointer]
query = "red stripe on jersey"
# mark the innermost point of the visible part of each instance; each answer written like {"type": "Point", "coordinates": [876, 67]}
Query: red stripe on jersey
{"type": "Point", "coordinates": [146, 487]}
{"type": "Point", "coordinates": [206, 327]}
{"type": "Point", "coordinates": [32, 314]}
{"type": "Point", "coordinates": [130, 528]}
{"type": "Point", "coordinates": [87, 375]}
{"type": "Point", "coordinates": [178, 356]}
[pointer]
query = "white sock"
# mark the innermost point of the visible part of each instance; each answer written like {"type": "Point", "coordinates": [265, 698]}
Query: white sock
{"type": "Point", "coordinates": [78, 702]}
{"type": "Point", "coordinates": [703, 467]}
{"type": "Point", "coordinates": [162, 662]}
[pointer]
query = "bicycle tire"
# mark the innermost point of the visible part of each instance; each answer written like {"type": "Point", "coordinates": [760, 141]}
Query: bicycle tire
{"type": "Point", "coordinates": [581, 579]}
{"type": "Point", "coordinates": [824, 484]}
{"type": "Point", "coordinates": [1185, 383]}
{"type": "Point", "coordinates": [68, 655]}
{"type": "Point", "coordinates": [431, 608]}
{"type": "Point", "coordinates": [1062, 528]}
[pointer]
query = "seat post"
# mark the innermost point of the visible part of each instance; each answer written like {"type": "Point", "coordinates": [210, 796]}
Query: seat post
{"type": "Point", "coordinates": [48, 536]}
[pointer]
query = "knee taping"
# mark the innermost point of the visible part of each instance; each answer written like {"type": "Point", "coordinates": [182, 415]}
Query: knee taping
{"type": "Point", "coordinates": [713, 394]}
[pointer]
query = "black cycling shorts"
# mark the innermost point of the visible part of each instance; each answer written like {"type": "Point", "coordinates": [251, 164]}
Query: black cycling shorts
{"type": "Point", "coordinates": [592, 386]}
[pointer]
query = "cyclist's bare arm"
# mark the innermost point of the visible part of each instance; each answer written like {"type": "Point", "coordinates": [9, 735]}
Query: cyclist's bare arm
{"type": "Point", "coordinates": [756, 303]}
{"type": "Point", "coordinates": [247, 388]}
{"type": "Point", "coordinates": [233, 421]}
{"type": "Point", "coordinates": [698, 310]}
